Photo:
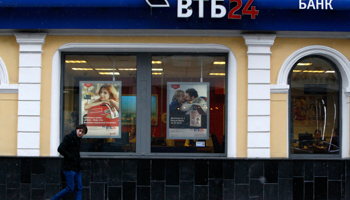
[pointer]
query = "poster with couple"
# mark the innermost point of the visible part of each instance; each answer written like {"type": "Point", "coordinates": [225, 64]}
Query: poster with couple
{"type": "Point", "coordinates": [188, 110]}
{"type": "Point", "coordinates": [100, 108]}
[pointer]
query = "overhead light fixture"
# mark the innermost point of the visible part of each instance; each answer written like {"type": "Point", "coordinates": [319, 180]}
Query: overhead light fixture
{"type": "Point", "coordinates": [109, 73]}
{"type": "Point", "coordinates": [314, 71]}
{"type": "Point", "coordinates": [157, 73]}
{"type": "Point", "coordinates": [127, 69]}
{"type": "Point", "coordinates": [217, 74]}
{"type": "Point", "coordinates": [75, 61]}
{"type": "Point", "coordinates": [156, 62]}
{"type": "Point", "coordinates": [304, 64]}
{"type": "Point", "coordinates": [157, 69]}
{"type": "Point", "coordinates": [330, 71]}
{"type": "Point", "coordinates": [104, 69]}
{"type": "Point", "coordinates": [219, 62]}
{"type": "Point", "coordinates": [82, 69]}
{"type": "Point", "coordinates": [297, 70]}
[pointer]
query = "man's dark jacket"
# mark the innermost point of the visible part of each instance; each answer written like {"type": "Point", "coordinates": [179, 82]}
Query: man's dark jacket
{"type": "Point", "coordinates": [70, 148]}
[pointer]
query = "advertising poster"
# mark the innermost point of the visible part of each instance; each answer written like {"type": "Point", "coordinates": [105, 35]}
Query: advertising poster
{"type": "Point", "coordinates": [188, 110]}
{"type": "Point", "coordinates": [100, 108]}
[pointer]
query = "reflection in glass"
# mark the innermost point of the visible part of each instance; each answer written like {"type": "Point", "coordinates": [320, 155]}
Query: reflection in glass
{"type": "Point", "coordinates": [101, 69]}
{"type": "Point", "coordinates": [314, 111]}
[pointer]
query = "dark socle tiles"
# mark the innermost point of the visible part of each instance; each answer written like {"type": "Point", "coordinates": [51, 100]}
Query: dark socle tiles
{"type": "Point", "coordinates": [187, 168]}
{"type": "Point", "coordinates": [115, 193]}
{"type": "Point", "coordinates": [172, 172]}
{"type": "Point", "coordinates": [241, 172]}
{"type": "Point", "coordinates": [13, 194]}
{"type": "Point", "coordinates": [157, 190]}
{"type": "Point", "coordinates": [186, 190]}
{"type": "Point", "coordinates": [129, 170]}
{"type": "Point", "coordinates": [271, 171]}
{"type": "Point", "coordinates": [38, 194]}
{"type": "Point", "coordinates": [228, 169]}
{"type": "Point", "coordinates": [38, 181]}
{"type": "Point", "coordinates": [309, 171]}
{"type": "Point", "coordinates": [2, 191]}
{"type": "Point", "coordinates": [86, 194]}
{"type": "Point", "coordinates": [256, 189]}
{"type": "Point", "coordinates": [271, 191]}
{"type": "Point", "coordinates": [26, 170]}
{"type": "Point", "coordinates": [241, 192]}
{"type": "Point", "coordinates": [215, 169]}
{"type": "Point", "coordinates": [298, 168]}
{"type": "Point", "coordinates": [52, 171]}
{"type": "Point", "coordinates": [256, 169]}
{"type": "Point", "coordinates": [13, 166]}
{"type": "Point", "coordinates": [309, 190]}
{"type": "Point", "coordinates": [285, 189]}
{"type": "Point", "coordinates": [38, 166]}
{"type": "Point", "coordinates": [51, 190]}
{"type": "Point", "coordinates": [298, 188]}
{"type": "Point", "coordinates": [97, 190]}
{"type": "Point", "coordinates": [335, 170]}
{"type": "Point", "coordinates": [201, 192]}
{"type": "Point", "coordinates": [3, 171]}
{"type": "Point", "coordinates": [25, 191]}
{"type": "Point", "coordinates": [13, 180]}
{"type": "Point", "coordinates": [320, 168]}
{"type": "Point", "coordinates": [172, 193]}
{"type": "Point", "coordinates": [201, 172]}
{"type": "Point", "coordinates": [320, 187]}
{"type": "Point", "coordinates": [143, 193]}
{"type": "Point", "coordinates": [99, 170]}
{"type": "Point", "coordinates": [229, 189]}
{"type": "Point", "coordinates": [215, 189]}
{"type": "Point", "coordinates": [285, 169]}
{"type": "Point", "coordinates": [85, 164]}
{"type": "Point", "coordinates": [334, 190]}
{"type": "Point", "coordinates": [86, 178]}
{"type": "Point", "coordinates": [115, 169]}
{"type": "Point", "coordinates": [129, 190]}
{"type": "Point", "coordinates": [143, 172]}
{"type": "Point", "coordinates": [158, 170]}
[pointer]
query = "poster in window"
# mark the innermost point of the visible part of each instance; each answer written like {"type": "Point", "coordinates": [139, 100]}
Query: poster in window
{"type": "Point", "coordinates": [188, 113]}
{"type": "Point", "coordinates": [99, 108]}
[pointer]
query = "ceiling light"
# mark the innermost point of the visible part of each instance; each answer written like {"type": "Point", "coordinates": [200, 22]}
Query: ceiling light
{"type": "Point", "coordinates": [127, 69]}
{"type": "Point", "coordinates": [297, 70]}
{"type": "Point", "coordinates": [75, 61]}
{"type": "Point", "coordinates": [104, 69]}
{"type": "Point", "coordinates": [157, 69]}
{"type": "Point", "coordinates": [81, 69]}
{"type": "Point", "coordinates": [217, 74]}
{"type": "Point", "coordinates": [219, 62]}
{"type": "Point", "coordinates": [157, 73]}
{"type": "Point", "coordinates": [304, 64]}
{"type": "Point", "coordinates": [314, 71]}
{"type": "Point", "coordinates": [109, 73]}
{"type": "Point", "coordinates": [330, 71]}
{"type": "Point", "coordinates": [156, 62]}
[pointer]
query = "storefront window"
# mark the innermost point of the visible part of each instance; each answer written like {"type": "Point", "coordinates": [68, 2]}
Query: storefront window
{"type": "Point", "coordinates": [314, 107]}
{"type": "Point", "coordinates": [188, 92]}
{"type": "Point", "coordinates": [100, 91]}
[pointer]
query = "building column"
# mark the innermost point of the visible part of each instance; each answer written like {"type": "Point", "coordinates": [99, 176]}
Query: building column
{"type": "Point", "coordinates": [29, 87]}
{"type": "Point", "coordinates": [258, 136]}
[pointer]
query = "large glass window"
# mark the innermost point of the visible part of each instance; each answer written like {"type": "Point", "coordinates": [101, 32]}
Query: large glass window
{"type": "Point", "coordinates": [175, 105]}
{"type": "Point", "coordinates": [314, 107]}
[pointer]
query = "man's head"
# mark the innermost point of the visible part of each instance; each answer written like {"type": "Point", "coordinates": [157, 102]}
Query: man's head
{"type": "Point", "coordinates": [317, 134]}
{"type": "Point", "coordinates": [81, 130]}
{"type": "Point", "coordinates": [191, 94]}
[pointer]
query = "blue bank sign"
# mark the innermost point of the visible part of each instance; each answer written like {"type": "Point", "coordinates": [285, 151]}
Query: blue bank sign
{"type": "Point", "coordinates": [255, 15]}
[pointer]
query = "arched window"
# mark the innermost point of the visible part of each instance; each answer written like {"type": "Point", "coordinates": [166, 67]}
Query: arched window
{"type": "Point", "coordinates": [314, 122]}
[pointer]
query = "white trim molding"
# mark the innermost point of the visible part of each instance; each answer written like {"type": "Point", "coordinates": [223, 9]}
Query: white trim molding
{"type": "Point", "coordinates": [5, 86]}
{"type": "Point", "coordinates": [258, 130]}
{"type": "Point", "coordinates": [343, 66]}
{"type": "Point", "coordinates": [29, 92]}
{"type": "Point", "coordinates": [144, 47]}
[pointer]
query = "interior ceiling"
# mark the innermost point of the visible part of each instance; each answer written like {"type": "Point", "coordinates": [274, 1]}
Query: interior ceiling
{"type": "Point", "coordinates": [173, 66]}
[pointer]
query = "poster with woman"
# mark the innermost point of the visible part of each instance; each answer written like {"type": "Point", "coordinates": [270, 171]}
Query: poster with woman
{"type": "Point", "coordinates": [188, 113]}
{"type": "Point", "coordinates": [99, 108]}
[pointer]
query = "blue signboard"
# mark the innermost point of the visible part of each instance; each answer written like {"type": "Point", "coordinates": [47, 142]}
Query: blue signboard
{"type": "Point", "coordinates": [250, 15]}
